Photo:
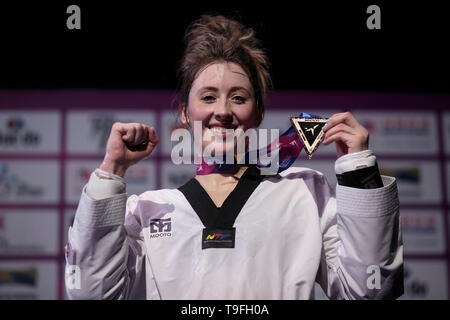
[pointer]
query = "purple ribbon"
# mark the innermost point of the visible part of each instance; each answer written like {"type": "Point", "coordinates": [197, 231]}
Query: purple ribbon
{"type": "Point", "coordinates": [288, 144]}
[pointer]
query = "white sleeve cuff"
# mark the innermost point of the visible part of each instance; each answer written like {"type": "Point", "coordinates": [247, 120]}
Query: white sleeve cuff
{"type": "Point", "coordinates": [104, 185]}
{"type": "Point", "coordinates": [368, 202]}
{"type": "Point", "coordinates": [93, 213]}
{"type": "Point", "coordinates": [355, 161]}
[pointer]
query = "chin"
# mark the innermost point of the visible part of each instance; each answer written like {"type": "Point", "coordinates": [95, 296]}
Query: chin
{"type": "Point", "coordinates": [218, 150]}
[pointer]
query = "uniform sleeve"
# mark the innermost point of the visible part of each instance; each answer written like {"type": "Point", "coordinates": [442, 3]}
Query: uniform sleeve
{"type": "Point", "coordinates": [362, 255]}
{"type": "Point", "coordinates": [104, 257]}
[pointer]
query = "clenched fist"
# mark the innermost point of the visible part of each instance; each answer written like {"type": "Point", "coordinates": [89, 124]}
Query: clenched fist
{"type": "Point", "coordinates": [128, 143]}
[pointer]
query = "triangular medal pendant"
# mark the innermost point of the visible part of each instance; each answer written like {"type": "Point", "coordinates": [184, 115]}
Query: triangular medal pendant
{"type": "Point", "coordinates": [310, 132]}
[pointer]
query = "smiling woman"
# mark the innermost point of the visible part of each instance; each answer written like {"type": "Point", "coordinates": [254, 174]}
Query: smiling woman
{"type": "Point", "coordinates": [237, 233]}
{"type": "Point", "coordinates": [221, 98]}
{"type": "Point", "coordinates": [211, 40]}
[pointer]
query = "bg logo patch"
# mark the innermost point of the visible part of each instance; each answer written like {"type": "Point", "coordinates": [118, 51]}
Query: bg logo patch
{"type": "Point", "coordinates": [218, 238]}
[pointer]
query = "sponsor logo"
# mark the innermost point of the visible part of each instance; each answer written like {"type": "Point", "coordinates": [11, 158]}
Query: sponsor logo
{"type": "Point", "coordinates": [3, 241]}
{"type": "Point", "coordinates": [411, 175]}
{"type": "Point", "coordinates": [414, 287]}
{"type": "Point", "coordinates": [422, 233]}
{"type": "Point", "coordinates": [369, 125]}
{"type": "Point", "coordinates": [12, 185]}
{"type": "Point", "coordinates": [419, 224]}
{"type": "Point", "coordinates": [16, 134]}
{"type": "Point", "coordinates": [24, 277]}
{"type": "Point", "coordinates": [406, 126]}
{"type": "Point", "coordinates": [218, 236]}
{"type": "Point", "coordinates": [84, 174]}
{"type": "Point", "coordinates": [101, 128]}
{"type": "Point", "coordinates": [409, 180]}
{"type": "Point", "coordinates": [7, 247]}
{"type": "Point", "coordinates": [178, 179]}
{"type": "Point", "coordinates": [81, 178]}
{"type": "Point", "coordinates": [160, 228]}
{"type": "Point", "coordinates": [137, 175]}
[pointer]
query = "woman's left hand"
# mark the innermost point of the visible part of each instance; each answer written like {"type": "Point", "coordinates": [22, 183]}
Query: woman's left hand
{"type": "Point", "coordinates": [350, 136]}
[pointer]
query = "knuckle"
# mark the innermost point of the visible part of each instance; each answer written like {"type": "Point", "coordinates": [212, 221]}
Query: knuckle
{"type": "Point", "coordinates": [366, 135]}
{"type": "Point", "coordinates": [362, 136]}
{"type": "Point", "coordinates": [364, 132]}
{"type": "Point", "coordinates": [116, 125]}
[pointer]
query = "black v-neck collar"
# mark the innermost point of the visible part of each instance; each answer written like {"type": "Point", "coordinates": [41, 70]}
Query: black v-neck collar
{"type": "Point", "coordinates": [224, 216]}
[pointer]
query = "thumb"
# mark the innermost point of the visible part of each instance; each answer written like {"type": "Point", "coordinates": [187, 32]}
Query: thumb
{"type": "Point", "coordinates": [152, 136]}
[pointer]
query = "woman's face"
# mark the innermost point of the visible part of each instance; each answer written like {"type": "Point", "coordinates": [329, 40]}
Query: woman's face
{"type": "Point", "coordinates": [221, 97]}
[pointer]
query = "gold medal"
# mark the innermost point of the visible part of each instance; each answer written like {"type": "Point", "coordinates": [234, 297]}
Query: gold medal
{"type": "Point", "coordinates": [310, 132]}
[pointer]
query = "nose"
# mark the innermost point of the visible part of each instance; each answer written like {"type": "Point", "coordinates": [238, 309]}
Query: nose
{"type": "Point", "coordinates": [222, 111]}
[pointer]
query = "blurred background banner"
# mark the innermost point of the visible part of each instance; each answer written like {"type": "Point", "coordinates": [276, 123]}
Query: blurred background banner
{"type": "Point", "coordinates": [61, 90]}
{"type": "Point", "coordinates": [51, 140]}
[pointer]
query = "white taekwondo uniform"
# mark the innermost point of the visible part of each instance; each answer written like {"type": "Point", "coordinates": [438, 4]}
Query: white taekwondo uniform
{"type": "Point", "coordinates": [292, 230]}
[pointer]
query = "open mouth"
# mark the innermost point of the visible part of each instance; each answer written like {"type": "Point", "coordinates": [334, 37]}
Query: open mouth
{"type": "Point", "coordinates": [222, 130]}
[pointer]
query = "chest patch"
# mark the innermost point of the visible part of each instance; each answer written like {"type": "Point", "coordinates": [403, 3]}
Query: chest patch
{"type": "Point", "coordinates": [218, 238]}
{"type": "Point", "coordinates": [218, 222]}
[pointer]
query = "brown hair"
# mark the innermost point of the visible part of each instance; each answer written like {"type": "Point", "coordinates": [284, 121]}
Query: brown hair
{"type": "Point", "coordinates": [217, 38]}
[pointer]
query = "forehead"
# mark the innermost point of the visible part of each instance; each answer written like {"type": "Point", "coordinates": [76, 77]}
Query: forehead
{"type": "Point", "coordinates": [222, 75]}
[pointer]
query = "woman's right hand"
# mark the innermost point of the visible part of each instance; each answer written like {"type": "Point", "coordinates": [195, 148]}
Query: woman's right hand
{"type": "Point", "coordinates": [128, 143]}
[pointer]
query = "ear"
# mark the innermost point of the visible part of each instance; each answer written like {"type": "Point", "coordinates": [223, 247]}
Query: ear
{"type": "Point", "coordinates": [257, 120]}
{"type": "Point", "coordinates": [184, 115]}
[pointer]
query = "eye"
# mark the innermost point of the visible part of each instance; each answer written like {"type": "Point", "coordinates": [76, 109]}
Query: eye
{"type": "Point", "coordinates": [239, 99]}
{"type": "Point", "coordinates": [208, 98]}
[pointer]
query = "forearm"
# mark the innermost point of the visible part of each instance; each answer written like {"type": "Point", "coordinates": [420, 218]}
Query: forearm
{"type": "Point", "coordinates": [102, 185]}
{"type": "Point", "coordinates": [370, 253]}
{"type": "Point", "coordinates": [363, 250]}
{"type": "Point", "coordinates": [98, 247]}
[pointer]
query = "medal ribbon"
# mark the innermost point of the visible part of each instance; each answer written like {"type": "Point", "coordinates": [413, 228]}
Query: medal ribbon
{"type": "Point", "coordinates": [289, 146]}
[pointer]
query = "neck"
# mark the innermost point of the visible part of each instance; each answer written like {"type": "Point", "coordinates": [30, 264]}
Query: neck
{"type": "Point", "coordinates": [223, 178]}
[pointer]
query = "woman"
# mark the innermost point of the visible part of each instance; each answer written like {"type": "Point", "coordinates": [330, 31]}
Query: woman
{"type": "Point", "coordinates": [236, 234]}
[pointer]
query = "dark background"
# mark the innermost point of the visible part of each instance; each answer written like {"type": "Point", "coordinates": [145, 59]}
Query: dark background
{"type": "Point", "coordinates": [323, 45]}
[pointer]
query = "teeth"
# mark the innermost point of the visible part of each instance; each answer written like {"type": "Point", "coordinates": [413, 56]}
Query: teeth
{"type": "Point", "coordinates": [219, 129]}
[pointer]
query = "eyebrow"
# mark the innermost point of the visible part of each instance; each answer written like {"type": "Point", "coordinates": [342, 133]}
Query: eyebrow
{"type": "Point", "coordinates": [216, 89]}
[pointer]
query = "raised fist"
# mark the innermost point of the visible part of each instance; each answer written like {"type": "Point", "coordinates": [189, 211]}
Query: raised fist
{"type": "Point", "coordinates": [128, 143]}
